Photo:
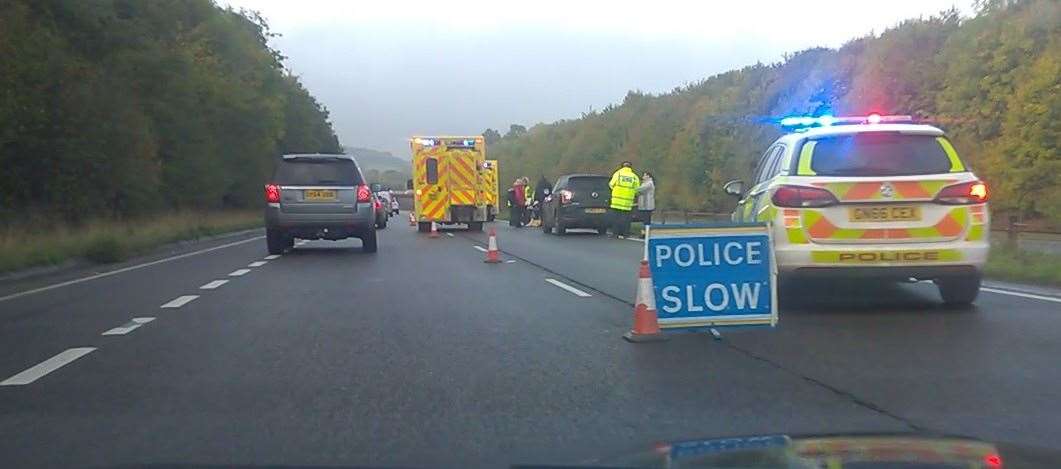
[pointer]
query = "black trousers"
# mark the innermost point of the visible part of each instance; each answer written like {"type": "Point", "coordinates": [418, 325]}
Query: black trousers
{"type": "Point", "coordinates": [515, 216]}
{"type": "Point", "coordinates": [620, 222]}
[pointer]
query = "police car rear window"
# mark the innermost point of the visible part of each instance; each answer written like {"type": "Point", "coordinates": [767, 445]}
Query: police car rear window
{"type": "Point", "coordinates": [317, 172]}
{"type": "Point", "coordinates": [877, 154]}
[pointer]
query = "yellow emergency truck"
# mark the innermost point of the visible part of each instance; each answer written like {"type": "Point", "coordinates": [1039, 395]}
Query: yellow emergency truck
{"type": "Point", "coordinates": [448, 174]}
{"type": "Point", "coordinates": [490, 189]}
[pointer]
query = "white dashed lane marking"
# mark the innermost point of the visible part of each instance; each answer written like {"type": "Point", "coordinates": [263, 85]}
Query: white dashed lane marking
{"type": "Point", "coordinates": [1022, 295]}
{"type": "Point", "coordinates": [272, 256]}
{"type": "Point", "coordinates": [47, 366]}
{"type": "Point", "coordinates": [128, 327]}
{"type": "Point", "coordinates": [449, 234]}
{"type": "Point", "coordinates": [213, 285]}
{"type": "Point", "coordinates": [237, 273]}
{"type": "Point", "coordinates": [567, 287]}
{"type": "Point", "coordinates": [257, 263]}
{"type": "Point", "coordinates": [180, 301]}
{"type": "Point", "coordinates": [480, 248]}
{"type": "Point", "coordinates": [125, 269]}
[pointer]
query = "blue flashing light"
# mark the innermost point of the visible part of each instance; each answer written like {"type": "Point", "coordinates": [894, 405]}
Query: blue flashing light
{"type": "Point", "coordinates": [469, 143]}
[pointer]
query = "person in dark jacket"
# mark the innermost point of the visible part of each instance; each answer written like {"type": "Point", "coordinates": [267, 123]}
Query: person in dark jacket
{"type": "Point", "coordinates": [541, 191]}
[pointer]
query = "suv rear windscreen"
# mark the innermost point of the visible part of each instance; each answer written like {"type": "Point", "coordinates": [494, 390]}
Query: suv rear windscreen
{"type": "Point", "coordinates": [588, 184]}
{"type": "Point", "coordinates": [317, 172]}
{"type": "Point", "coordinates": [878, 154]}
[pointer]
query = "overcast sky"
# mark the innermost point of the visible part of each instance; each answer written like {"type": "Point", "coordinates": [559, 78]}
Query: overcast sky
{"type": "Point", "coordinates": [391, 69]}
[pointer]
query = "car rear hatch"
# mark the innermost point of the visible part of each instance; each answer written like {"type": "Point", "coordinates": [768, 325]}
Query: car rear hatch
{"type": "Point", "coordinates": [885, 188]}
{"type": "Point", "coordinates": [318, 185]}
{"type": "Point", "coordinates": [588, 192]}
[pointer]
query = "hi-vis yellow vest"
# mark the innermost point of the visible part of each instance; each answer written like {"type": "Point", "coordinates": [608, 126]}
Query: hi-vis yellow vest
{"type": "Point", "coordinates": [624, 185]}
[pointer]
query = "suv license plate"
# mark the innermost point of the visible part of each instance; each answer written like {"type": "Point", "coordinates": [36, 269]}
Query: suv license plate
{"type": "Point", "coordinates": [885, 214]}
{"type": "Point", "coordinates": [318, 195]}
{"type": "Point", "coordinates": [594, 210]}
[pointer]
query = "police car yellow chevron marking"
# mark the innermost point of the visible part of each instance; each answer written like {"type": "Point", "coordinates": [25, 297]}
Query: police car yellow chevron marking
{"type": "Point", "coordinates": [871, 191]}
{"type": "Point", "coordinates": [950, 225]}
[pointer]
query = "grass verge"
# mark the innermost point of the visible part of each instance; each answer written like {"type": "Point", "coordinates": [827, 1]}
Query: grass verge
{"type": "Point", "coordinates": [1008, 263]}
{"type": "Point", "coordinates": [105, 241]}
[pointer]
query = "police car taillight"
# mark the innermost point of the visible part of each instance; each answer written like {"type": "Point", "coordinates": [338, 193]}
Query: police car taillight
{"type": "Point", "coordinates": [966, 193]}
{"type": "Point", "coordinates": [802, 197]}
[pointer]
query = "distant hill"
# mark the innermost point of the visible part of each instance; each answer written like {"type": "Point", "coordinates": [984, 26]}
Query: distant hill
{"type": "Point", "coordinates": [378, 160]}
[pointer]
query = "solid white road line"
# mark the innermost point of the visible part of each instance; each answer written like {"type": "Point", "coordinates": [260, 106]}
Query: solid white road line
{"type": "Point", "coordinates": [128, 327]}
{"type": "Point", "coordinates": [213, 285]}
{"type": "Point", "coordinates": [480, 248]}
{"type": "Point", "coordinates": [257, 263]}
{"type": "Point", "coordinates": [237, 273]}
{"type": "Point", "coordinates": [124, 269]}
{"type": "Point", "coordinates": [567, 287]}
{"type": "Point", "coordinates": [272, 256]}
{"type": "Point", "coordinates": [180, 301]}
{"type": "Point", "coordinates": [1022, 295]}
{"type": "Point", "coordinates": [47, 366]}
{"type": "Point", "coordinates": [449, 234]}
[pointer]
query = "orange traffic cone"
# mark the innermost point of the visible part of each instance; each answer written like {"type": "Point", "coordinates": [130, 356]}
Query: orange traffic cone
{"type": "Point", "coordinates": [646, 324]}
{"type": "Point", "coordinates": [491, 249]}
{"type": "Point", "coordinates": [434, 230]}
{"type": "Point", "coordinates": [412, 219]}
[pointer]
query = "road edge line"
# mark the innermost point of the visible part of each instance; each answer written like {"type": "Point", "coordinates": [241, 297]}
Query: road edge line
{"type": "Point", "coordinates": [123, 270]}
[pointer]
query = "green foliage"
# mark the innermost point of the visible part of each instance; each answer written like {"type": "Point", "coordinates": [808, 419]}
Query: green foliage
{"type": "Point", "coordinates": [491, 136]}
{"type": "Point", "coordinates": [991, 81]}
{"type": "Point", "coordinates": [115, 108]}
{"type": "Point", "coordinates": [1007, 263]}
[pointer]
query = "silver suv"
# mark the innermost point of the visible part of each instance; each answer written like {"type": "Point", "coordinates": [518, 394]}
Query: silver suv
{"type": "Point", "coordinates": [316, 196]}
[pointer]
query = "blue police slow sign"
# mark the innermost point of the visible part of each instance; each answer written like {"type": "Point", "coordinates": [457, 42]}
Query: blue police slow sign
{"type": "Point", "coordinates": [712, 275]}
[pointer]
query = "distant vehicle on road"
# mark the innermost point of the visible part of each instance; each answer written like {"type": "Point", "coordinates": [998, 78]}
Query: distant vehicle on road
{"type": "Point", "coordinates": [875, 196]}
{"type": "Point", "coordinates": [318, 196]}
{"type": "Point", "coordinates": [446, 179]}
{"type": "Point", "coordinates": [386, 200]}
{"type": "Point", "coordinates": [382, 212]}
{"type": "Point", "coordinates": [395, 207]}
{"type": "Point", "coordinates": [489, 188]}
{"type": "Point", "coordinates": [577, 201]}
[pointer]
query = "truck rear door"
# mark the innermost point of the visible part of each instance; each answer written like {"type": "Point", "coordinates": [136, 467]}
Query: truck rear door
{"type": "Point", "coordinates": [461, 176]}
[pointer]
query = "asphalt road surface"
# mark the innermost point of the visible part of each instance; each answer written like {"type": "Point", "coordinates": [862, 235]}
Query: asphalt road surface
{"type": "Point", "coordinates": [422, 355]}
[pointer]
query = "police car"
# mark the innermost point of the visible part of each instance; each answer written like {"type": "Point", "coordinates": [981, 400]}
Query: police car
{"type": "Point", "coordinates": [873, 196]}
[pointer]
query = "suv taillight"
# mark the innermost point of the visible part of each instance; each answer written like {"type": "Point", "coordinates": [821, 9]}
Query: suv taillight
{"type": "Point", "coordinates": [966, 193]}
{"type": "Point", "coordinates": [272, 193]}
{"type": "Point", "coordinates": [364, 194]}
{"type": "Point", "coordinates": [802, 197]}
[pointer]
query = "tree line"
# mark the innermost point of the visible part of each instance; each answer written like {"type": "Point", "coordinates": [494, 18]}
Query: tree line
{"type": "Point", "coordinates": [992, 81]}
{"type": "Point", "coordinates": [116, 108]}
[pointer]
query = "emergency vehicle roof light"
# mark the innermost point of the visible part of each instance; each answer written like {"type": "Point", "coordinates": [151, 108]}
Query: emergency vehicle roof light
{"type": "Point", "coordinates": [427, 142]}
{"type": "Point", "coordinates": [800, 123]}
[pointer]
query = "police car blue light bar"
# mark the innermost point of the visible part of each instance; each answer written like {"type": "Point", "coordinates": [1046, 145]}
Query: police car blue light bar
{"type": "Point", "coordinates": [802, 122]}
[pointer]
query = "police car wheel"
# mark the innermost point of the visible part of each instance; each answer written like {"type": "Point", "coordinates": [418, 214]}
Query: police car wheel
{"type": "Point", "coordinates": [959, 291]}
